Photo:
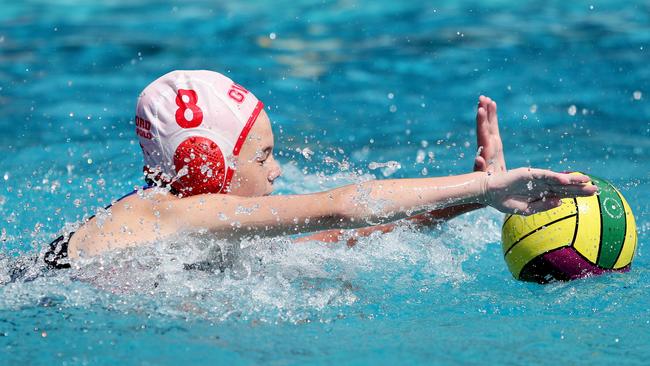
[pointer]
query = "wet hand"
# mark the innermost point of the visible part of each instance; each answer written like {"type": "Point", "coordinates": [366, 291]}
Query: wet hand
{"type": "Point", "coordinates": [490, 155]}
{"type": "Point", "coordinates": [526, 191]}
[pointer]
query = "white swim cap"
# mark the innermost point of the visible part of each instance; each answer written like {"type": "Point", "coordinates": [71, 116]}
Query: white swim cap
{"type": "Point", "coordinates": [191, 125]}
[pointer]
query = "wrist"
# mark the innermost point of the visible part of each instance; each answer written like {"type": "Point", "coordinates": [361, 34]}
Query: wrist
{"type": "Point", "coordinates": [483, 197]}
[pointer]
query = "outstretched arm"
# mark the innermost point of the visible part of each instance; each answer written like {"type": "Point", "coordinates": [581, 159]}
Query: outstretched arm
{"type": "Point", "coordinates": [523, 191]}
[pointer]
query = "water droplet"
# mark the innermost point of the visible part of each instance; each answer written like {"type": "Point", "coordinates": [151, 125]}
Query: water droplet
{"type": "Point", "coordinates": [572, 110]}
{"type": "Point", "coordinates": [419, 158]}
{"type": "Point", "coordinates": [307, 153]}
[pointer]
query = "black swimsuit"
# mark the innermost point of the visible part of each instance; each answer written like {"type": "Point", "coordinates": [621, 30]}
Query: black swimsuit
{"type": "Point", "coordinates": [57, 254]}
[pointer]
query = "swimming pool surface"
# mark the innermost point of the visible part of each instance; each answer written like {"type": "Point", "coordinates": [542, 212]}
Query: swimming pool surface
{"type": "Point", "coordinates": [347, 84]}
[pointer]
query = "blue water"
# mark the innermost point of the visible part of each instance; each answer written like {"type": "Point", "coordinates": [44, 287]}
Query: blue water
{"type": "Point", "coordinates": [356, 82]}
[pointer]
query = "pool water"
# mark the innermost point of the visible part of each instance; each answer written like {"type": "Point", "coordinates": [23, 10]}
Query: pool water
{"type": "Point", "coordinates": [356, 90]}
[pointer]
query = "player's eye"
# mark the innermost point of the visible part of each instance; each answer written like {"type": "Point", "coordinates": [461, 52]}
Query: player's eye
{"type": "Point", "coordinates": [263, 156]}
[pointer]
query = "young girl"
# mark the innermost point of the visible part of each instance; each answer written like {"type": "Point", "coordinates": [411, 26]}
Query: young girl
{"type": "Point", "coordinates": [208, 151]}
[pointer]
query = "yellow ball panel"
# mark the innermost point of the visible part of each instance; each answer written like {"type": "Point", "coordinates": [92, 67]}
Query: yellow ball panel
{"type": "Point", "coordinates": [587, 240]}
{"type": "Point", "coordinates": [556, 235]}
{"type": "Point", "coordinates": [629, 247]}
{"type": "Point", "coordinates": [517, 226]}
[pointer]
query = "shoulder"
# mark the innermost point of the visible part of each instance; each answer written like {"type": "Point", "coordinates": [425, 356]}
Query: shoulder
{"type": "Point", "coordinates": [143, 201]}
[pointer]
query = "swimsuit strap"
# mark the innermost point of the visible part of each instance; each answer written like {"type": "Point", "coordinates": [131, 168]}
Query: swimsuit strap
{"type": "Point", "coordinates": [144, 188]}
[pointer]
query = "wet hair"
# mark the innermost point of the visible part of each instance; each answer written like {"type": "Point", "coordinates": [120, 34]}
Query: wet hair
{"type": "Point", "coordinates": [162, 184]}
{"type": "Point", "coordinates": [155, 178]}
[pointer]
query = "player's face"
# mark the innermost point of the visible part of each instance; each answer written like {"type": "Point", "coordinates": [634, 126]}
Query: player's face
{"type": "Point", "coordinates": [256, 166]}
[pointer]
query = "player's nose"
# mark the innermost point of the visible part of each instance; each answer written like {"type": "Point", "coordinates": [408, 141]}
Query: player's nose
{"type": "Point", "coordinates": [275, 171]}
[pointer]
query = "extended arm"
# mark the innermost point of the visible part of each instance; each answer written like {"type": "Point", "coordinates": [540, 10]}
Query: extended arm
{"type": "Point", "coordinates": [371, 203]}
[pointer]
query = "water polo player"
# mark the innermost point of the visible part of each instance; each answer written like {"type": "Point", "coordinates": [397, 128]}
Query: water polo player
{"type": "Point", "coordinates": [208, 152]}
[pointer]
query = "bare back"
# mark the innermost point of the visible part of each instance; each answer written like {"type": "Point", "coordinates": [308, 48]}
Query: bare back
{"type": "Point", "coordinates": [131, 221]}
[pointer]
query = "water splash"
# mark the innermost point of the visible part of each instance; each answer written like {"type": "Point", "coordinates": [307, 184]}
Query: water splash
{"type": "Point", "coordinates": [387, 169]}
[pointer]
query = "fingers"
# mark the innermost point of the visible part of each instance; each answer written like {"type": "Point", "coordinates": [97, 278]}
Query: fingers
{"type": "Point", "coordinates": [545, 183]}
{"type": "Point", "coordinates": [482, 134]}
{"type": "Point", "coordinates": [482, 123]}
{"type": "Point", "coordinates": [481, 117]}
{"type": "Point", "coordinates": [526, 191]}
{"type": "Point", "coordinates": [483, 102]}
{"type": "Point", "coordinates": [542, 205]}
{"type": "Point", "coordinates": [577, 190]}
{"type": "Point", "coordinates": [490, 107]}
{"type": "Point", "coordinates": [573, 178]}
{"type": "Point", "coordinates": [487, 135]}
{"type": "Point", "coordinates": [480, 165]}
{"type": "Point", "coordinates": [482, 128]}
{"type": "Point", "coordinates": [562, 179]}
{"type": "Point", "coordinates": [569, 183]}
{"type": "Point", "coordinates": [492, 117]}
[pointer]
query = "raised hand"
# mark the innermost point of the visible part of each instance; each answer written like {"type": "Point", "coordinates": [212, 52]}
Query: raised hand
{"type": "Point", "coordinates": [526, 191]}
{"type": "Point", "coordinates": [489, 157]}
